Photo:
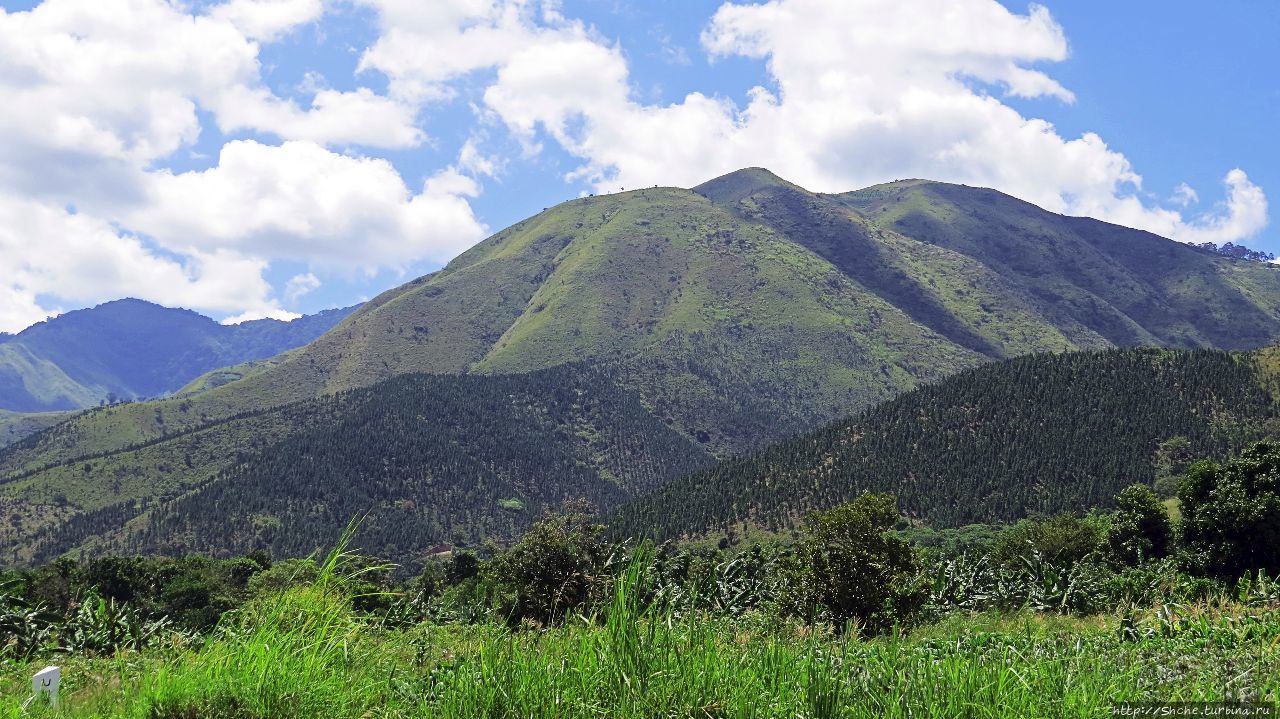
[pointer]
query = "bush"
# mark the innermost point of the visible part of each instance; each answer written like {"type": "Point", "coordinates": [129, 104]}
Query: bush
{"type": "Point", "coordinates": [284, 575]}
{"type": "Point", "coordinates": [1231, 513]}
{"type": "Point", "coordinates": [1140, 528]}
{"type": "Point", "coordinates": [1061, 540]}
{"type": "Point", "coordinates": [553, 569]}
{"type": "Point", "coordinates": [850, 565]}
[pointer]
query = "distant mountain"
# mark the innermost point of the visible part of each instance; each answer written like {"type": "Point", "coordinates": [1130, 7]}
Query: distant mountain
{"type": "Point", "coordinates": [15, 426]}
{"type": "Point", "coordinates": [740, 312]}
{"type": "Point", "coordinates": [130, 349]}
{"type": "Point", "coordinates": [431, 459]}
{"type": "Point", "coordinates": [1044, 433]}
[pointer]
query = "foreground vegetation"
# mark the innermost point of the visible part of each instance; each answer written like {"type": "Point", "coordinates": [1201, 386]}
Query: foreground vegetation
{"type": "Point", "coordinates": [306, 652]}
{"type": "Point", "coordinates": [860, 614]}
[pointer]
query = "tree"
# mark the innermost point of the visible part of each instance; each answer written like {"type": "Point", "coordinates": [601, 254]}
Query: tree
{"type": "Point", "coordinates": [1172, 458]}
{"type": "Point", "coordinates": [554, 567]}
{"type": "Point", "coordinates": [461, 566]}
{"type": "Point", "coordinates": [1231, 512]}
{"type": "Point", "coordinates": [852, 567]}
{"type": "Point", "coordinates": [1140, 528]}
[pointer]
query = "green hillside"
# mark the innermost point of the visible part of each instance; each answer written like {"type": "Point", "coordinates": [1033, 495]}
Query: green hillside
{"type": "Point", "coordinates": [1101, 284]}
{"type": "Point", "coordinates": [129, 349]}
{"type": "Point", "coordinates": [1044, 433]}
{"type": "Point", "coordinates": [748, 309]}
{"type": "Point", "coordinates": [432, 459]}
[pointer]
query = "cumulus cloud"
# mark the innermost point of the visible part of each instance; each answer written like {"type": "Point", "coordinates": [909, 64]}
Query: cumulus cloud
{"type": "Point", "coordinates": [1242, 215]}
{"type": "Point", "coordinates": [81, 260]}
{"type": "Point", "coordinates": [1184, 195]}
{"type": "Point", "coordinates": [123, 80]}
{"type": "Point", "coordinates": [267, 19]}
{"type": "Point", "coordinates": [309, 204]}
{"type": "Point", "coordinates": [863, 91]}
{"type": "Point", "coordinates": [99, 94]}
{"type": "Point", "coordinates": [423, 47]}
{"type": "Point", "coordinates": [300, 285]}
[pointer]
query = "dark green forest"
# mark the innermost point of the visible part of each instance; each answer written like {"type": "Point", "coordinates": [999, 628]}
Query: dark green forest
{"type": "Point", "coordinates": [1037, 434]}
{"type": "Point", "coordinates": [437, 462]}
{"type": "Point", "coordinates": [428, 459]}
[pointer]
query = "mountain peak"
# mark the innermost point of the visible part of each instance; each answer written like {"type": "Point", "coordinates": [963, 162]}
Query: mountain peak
{"type": "Point", "coordinates": [739, 184]}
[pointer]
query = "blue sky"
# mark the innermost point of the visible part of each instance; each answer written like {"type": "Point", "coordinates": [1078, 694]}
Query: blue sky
{"type": "Point", "coordinates": [1184, 89]}
{"type": "Point", "coordinates": [271, 157]}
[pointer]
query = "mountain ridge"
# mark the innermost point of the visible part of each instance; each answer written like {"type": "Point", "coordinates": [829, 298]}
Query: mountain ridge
{"type": "Point", "coordinates": [601, 259]}
{"type": "Point", "coordinates": [130, 349]}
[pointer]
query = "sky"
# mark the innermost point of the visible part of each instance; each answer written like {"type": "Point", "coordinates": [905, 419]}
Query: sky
{"type": "Point", "coordinates": [267, 158]}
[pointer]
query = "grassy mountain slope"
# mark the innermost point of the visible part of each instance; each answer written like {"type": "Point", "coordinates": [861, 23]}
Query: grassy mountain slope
{"type": "Point", "coordinates": [1043, 433]}
{"type": "Point", "coordinates": [432, 459]}
{"type": "Point", "coordinates": [30, 383]}
{"type": "Point", "coordinates": [1100, 283]}
{"type": "Point", "coordinates": [129, 349]}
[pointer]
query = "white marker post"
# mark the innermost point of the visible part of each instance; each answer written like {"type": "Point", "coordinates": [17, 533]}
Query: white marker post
{"type": "Point", "coordinates": [46, 682]}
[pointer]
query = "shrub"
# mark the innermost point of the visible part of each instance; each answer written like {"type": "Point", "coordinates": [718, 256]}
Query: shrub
{"type": "Point", "coordinates": [1140, 528]}
{"type": "Point", "coordinates": [284, 575]}
{"type": "Point", "coordinates": [553, 569]}
{"type": "Point", "coordinates": [1061, 540]}
{"type": "Point", "coordinates": [851, 566]}
{"type": "Point", "coordinates": [1231, 513]}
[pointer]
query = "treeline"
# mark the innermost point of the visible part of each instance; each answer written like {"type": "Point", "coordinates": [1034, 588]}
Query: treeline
{"type": "Point", "coordinates": [1042, 433]}
{"type": "Point", "coordinates": [1240, 252]}
{"type": "Point", "coordinates": [434, 461]}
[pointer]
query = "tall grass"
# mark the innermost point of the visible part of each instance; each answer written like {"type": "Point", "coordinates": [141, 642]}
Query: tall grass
{"type": "Point", "coordinates": [304, 653]}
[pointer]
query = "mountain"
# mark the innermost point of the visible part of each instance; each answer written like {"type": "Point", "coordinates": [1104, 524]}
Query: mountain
{"type": "Point", "coordinates": [1043, 433]}
{"type": "Point", "coordinates": [739, 313]}
{"type": "Point", "coordinates": [431, 459]}
{"type": "Point", "coordinates": [130, 349]}
{"type": "Point", "coordinates": [749, 309]}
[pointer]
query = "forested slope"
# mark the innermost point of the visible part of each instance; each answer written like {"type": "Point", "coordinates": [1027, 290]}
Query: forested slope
{"type": "Point", "coordinates": [1043, 433]}
{"type": "Point", "coordinates": [430, 459]}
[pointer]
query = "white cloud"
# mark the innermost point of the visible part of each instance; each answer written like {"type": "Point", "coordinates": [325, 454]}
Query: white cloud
{"type": "Point", "coordinates": [268, 19]}
{"type": "Point", "coordinates": [115, 84]}
{"type": "Point", "coordinates": [473, 161]}
{"type": "Point", "coordinates": [300, 285]}
{"type": "Point", "coordinates": [98, 94]}
{"type": "Point", "coordinates": [357, 117]}
{"type": "Point", "coordinates": [250, 315]}
{"type": "Point", "coordinates": [1242, 215]}
{"type": "Point", "coordinates": [866, 91]}
{"type": "Point", "coordinates": [82, 260]}
{"type": "Point", "coordinates": [1184, 195]}
{"type": "Point", "coordinates": [309, 204]}
{"type": "Point", "coordinates": [424, 46]}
